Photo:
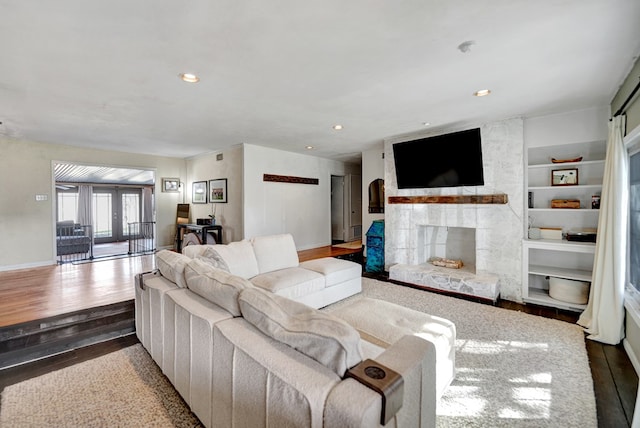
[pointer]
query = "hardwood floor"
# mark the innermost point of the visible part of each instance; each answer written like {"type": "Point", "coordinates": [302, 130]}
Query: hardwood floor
{"type": "Point", "coordinates": [33, 294]}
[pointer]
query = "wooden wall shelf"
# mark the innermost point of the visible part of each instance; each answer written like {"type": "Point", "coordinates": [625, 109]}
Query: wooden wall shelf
{"type": "Point", "coordinates": [501, 198]}
{"type": "Point", "coordinates": [289, 179]}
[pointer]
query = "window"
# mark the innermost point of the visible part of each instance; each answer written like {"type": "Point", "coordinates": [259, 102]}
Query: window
{"type": "Point", "coordinates": [68, 206]}
{"type": "Point", "coordinates": [634, 220]}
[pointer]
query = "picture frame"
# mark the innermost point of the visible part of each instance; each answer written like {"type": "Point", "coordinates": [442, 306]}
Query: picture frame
{"type": "Point", "coordinates": [199, 192]}
{"type": "Point", "coordinates": [170, 185]}
{"type": "Point", "coordinates": [564, 177]}
{"type": "Point", "coordinates": [218, 191]}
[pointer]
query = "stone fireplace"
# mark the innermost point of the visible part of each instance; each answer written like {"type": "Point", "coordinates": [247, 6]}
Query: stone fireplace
{"type": "Point", "coordinates": [452, 243]}
{"type": "Point", "coordinates": [486, 237]}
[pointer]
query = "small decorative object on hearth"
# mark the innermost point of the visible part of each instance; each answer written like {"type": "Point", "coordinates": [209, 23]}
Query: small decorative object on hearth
{"type": "Point", "coordinates": [448, 263]}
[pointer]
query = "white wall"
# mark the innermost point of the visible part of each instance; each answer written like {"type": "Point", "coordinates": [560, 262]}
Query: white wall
{"type": "Point", "coordinates": [372, 168]}
{"type": "Point", "coordinates": [566, 128]}
{"type": "Point", "coordinates": [206, 167]}
{"type": "Point", "coordinates": [26, 169]}
{"type": "Point", "coordinates": [304, 210]}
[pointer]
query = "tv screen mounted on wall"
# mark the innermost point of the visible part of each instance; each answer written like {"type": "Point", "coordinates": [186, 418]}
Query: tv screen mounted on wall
{"type": "Point", "coordinates": [448, 160]}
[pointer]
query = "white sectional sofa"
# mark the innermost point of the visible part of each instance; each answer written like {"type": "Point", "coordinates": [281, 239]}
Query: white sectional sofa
{"type": "Point", "coordinates": [271, 263]}
{"type": "Point", "coordinates": [241, 355]}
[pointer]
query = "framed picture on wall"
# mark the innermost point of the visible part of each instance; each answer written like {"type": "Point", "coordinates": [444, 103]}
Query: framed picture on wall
{"type": "Point", "coordinates": [170, 184]}
{"type": "Point", "coordinates": [218, 190]}
{"type": "Point", "coordinates": [199, 194]}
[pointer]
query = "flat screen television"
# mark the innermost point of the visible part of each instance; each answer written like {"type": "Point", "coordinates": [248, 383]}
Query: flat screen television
{"type": "Point", "coordinates": [448, 160]}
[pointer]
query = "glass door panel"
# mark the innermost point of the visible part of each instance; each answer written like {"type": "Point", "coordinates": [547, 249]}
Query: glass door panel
{"type": "Point", "coordinates": [130, 203]}
{"type": "Point", "coordinates": [103, 215]}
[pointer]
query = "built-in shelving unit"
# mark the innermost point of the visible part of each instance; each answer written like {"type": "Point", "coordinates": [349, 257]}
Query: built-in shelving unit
{"type": "Point", "coordinates": [544, 258]}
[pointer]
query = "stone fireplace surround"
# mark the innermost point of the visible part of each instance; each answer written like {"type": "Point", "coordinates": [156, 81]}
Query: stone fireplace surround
{"type": "Point", "coordinates": [498, 228]}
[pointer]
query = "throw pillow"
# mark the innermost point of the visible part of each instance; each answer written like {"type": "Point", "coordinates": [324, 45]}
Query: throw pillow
{"type": "Point", "coordinates": [212, 257]}
{"type": "Point", "coordinates": [171, 266]}
{"type": "Point", "coordinates": [321, 336]}
{"type": "Point", "coordinates": [215, 285]}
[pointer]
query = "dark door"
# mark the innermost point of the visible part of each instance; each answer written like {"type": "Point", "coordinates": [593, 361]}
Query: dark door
{"type": "Point", "coordinates": [113, 210]}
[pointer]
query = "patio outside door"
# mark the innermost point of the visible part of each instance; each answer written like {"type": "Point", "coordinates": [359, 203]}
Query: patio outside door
{"type": "Point", "coordinates": [113, 210]}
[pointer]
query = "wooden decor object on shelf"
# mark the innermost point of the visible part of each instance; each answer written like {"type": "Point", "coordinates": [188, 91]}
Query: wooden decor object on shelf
{"type": "Point", "coordinates": [554, 160]}
{"type": "Point", "coordinates": [501, 198]}
{"type": "Point", "coordinates": [565, 203]}
{"type": "Point", "coordinates": [289, 179]}
{"type": "Point", "coordinates": [448, 263]}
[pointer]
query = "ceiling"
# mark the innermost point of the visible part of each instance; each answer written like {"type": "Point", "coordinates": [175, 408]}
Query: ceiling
{"type": "Point", "coordinates": [75, 173]}
{"type": "Point", "coordinates": [283, 73]}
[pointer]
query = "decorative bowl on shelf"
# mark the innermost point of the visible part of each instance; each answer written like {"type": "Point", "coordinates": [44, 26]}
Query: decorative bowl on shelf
{"type": "Point", "coordinates": [554, 160]}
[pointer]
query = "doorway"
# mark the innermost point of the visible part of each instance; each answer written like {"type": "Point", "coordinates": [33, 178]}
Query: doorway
{"type": "Point", "coordinates": [120, 198]}
{"type": "Point", "coordinates": [346, 208]}
{"type": "Point", "coordinates": [113, 210]}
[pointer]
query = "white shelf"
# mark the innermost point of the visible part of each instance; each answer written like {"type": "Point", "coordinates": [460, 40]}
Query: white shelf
{"type": "Point", "coordinates": [542, 297]}
{"type": "Point", "coordinates": [561, 245]}
{"type": "Point", "coordinates": [560, 258]}
{"type": "Point", "coordinates": [563, 210]}
{"type": "Point", "coordinates": [577, 274]}
{"type": "Point", "coordinates": [577, 186]}
{"type": "Point", "coordinates": [566, 164]}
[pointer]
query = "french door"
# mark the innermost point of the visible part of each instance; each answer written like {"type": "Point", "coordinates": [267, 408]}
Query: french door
{"type": "Point", "coordinates": [113, 210]}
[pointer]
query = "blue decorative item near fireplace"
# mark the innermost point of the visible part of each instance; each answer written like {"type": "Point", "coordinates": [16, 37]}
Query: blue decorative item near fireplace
{"type": "Point", "coordinates": [375, 247]}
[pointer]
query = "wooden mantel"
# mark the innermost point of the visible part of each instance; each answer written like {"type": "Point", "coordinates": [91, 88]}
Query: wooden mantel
{"type": "Point", "coordinates": [501, 198]}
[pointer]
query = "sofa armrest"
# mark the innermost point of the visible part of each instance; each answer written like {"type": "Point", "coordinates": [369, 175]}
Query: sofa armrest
{"type": "Point", "coordinates": [351, 404]}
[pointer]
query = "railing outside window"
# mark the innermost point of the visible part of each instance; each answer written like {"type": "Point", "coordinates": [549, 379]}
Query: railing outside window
{"type": "Point", "coordinates": [142, 237]}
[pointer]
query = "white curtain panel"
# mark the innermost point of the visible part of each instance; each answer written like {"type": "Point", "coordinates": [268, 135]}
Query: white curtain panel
{"type": "Point", "coordinates": [604, 316]}
{"type": "Point", "coordinates": [147, 204]}
{"type": "Point", "coordinates": [85, 204]}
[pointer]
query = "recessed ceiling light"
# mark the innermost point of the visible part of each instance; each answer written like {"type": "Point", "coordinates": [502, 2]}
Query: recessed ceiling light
{"type": "Point", "coordinates": [482, 93]}
{"type": "Point", "coordinates": [189, 77]}
{"type": "Point", "coordinates": [337, 127]}
{"type": "Point", "coordinates": [426, 123]}
{"type": "Point", "coordinates": [309, 147]}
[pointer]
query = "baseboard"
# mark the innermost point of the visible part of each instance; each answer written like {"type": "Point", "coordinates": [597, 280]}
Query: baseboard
{"type": "Point", "coordinates": [632, 355]}
{"type": "Point", "coordinates": [28, 265]}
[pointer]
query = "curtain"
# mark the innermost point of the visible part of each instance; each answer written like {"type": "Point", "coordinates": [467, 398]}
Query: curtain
{"type": "Point", "coordinates": [85, 205]}
{"type": "Point", "coordinates": [147, 204]}
{"type": "Point", "coordinates": [604, 316]}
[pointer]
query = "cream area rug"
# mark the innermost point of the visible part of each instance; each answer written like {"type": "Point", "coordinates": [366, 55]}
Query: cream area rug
{"type": "Point", "coordinates": [121, 389]}
{"type": "Point", "coordinates": [513, 370]}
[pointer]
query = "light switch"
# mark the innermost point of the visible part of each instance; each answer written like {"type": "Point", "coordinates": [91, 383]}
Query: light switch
{"type": "Point", "coordinates": [41, 198]}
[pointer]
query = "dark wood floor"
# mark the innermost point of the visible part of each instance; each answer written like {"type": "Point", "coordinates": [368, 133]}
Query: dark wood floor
{"type": "Point", "coordinates": [42, 292]}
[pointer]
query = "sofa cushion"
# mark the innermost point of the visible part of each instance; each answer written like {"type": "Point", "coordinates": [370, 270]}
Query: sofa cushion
{"type": "Point", "coordinates": [193, 251]}
{"type": "Point", "coordinates": [171, 266]}
{"type": "Point", "coordinates": [291, 283]}
{"type": "Point", "coordinates": [239, 258]}
{"type": "Point", "coordinates": [321, 336]}
{"type": "Point", "coordinates": [335, 271]}
{"type": "Point", "coordinates": [275, 252]}
{"type": "Point", "coordinates": [215, 285]}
